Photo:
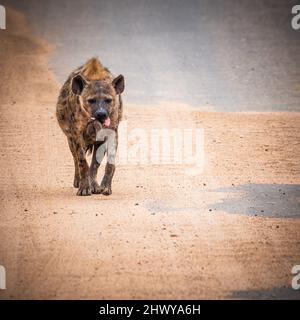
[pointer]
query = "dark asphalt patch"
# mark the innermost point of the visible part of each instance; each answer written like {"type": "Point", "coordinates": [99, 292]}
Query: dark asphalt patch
{"type": "Point", "coordinates": [267, 200]}
{"type": "Point", "coordinates": [158, 206]}
{"type": "Point", "coordinates": [265, 294]}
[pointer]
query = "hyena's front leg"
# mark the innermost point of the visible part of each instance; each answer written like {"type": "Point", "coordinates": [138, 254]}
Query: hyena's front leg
{"type": "Point", "coordinates": [112, 144]}
{"type": "Point", "coordinates": [105, 186]}
{"type": "Point", "coordinates": [84, 174]}
{"type": "Point", "coordinates": [74, 154]}
{"type": "Point", "coordinates": [98, 155]}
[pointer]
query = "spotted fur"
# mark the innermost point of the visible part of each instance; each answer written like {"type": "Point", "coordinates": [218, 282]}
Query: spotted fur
{"type": "Point", "coordinates": [74, 116]}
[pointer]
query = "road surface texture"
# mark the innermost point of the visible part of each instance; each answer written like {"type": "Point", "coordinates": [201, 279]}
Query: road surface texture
{"type": "Point", "coordinates": [231, 230]}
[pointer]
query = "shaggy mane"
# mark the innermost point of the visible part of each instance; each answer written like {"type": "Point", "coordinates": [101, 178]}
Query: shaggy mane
{"type": "Point", "coordinates": [94, 70]}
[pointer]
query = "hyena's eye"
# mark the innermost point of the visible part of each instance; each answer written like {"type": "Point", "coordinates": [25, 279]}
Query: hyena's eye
{"type": "Point", "coordinates": [91, 101]}
{"type": "Point", "coordinates": [108, 101]}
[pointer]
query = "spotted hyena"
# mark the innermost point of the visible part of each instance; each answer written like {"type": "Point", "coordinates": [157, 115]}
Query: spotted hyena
{"type": "Point", "coordinates": [89, 101]}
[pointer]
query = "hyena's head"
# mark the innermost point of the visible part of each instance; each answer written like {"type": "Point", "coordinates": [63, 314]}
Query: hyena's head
{"type": "Point", "coordinates": [99, 97]}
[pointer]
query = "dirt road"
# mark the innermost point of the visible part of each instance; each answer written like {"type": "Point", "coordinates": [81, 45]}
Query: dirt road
{"type": "Point", "coordinates": [232, 231]}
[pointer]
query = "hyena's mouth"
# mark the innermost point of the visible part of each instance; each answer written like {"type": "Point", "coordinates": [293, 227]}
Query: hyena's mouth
{"type": "Point", "coordinates": [104, 122]}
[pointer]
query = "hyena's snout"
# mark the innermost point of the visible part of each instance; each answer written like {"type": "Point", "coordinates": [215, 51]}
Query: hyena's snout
{"type": "Point", "coordinates": [102, 115]}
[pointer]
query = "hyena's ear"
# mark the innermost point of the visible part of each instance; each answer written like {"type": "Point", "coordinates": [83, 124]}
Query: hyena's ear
{"type": "Point", "coordinates": [119, 84]}
{"type": "Point", "coordinates": [78, 84]}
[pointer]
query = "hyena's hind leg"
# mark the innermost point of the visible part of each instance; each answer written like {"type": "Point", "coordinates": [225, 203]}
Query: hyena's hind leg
{"type": "Point", "coordinates": [76, 166]}
{"type": "Point", "coordinates": [98, 155]}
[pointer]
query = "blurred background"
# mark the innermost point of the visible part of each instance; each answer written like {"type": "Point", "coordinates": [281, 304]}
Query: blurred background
{"type": "Point", "coordinates": [167, 231]}
{"type": "Point", "coordinates": [213, 54]}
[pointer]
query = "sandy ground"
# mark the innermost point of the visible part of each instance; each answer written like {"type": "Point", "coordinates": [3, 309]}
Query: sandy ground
{"type": "Point", "coordinates": [163, 233]}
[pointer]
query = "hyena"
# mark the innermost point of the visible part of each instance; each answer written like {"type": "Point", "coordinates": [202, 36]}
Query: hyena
{"type": "Point", "coordinates": [89, 100]}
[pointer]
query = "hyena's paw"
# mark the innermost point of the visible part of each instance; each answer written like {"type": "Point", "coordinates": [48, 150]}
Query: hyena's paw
{"type": "Point", "coordinates": [106, 190]}
{"type": "Point", "coordinates": [84, 189]}
{"type": "Point", "coordinates": [76, 182]}
{"type": "Point", "coordinates": [96, 189]}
